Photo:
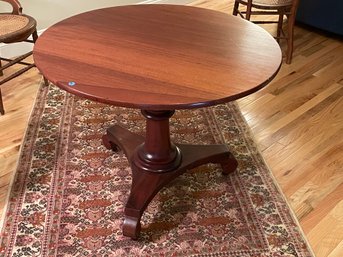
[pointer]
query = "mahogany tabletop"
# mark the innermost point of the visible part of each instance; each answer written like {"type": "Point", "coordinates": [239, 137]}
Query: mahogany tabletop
{"type": "Point", "coordinates": [157, 57]}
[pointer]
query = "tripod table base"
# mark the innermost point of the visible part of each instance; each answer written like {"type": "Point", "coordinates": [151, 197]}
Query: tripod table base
{"type": "Point", "coordinates": [146, 184]}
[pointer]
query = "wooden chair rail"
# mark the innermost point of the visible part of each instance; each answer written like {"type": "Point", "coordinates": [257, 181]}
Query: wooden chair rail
{"type": "Point", "coordinates": [8, 60]}
{"type": "Point", "coordinates": [15, 61]}
{"type": "Point", "coordinates": [18, 33]}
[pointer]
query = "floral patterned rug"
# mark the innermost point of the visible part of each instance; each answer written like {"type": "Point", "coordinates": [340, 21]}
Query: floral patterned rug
{"type": "Point", "coordinates": [69, 192]}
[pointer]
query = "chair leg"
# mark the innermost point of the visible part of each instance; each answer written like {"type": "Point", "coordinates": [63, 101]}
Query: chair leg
{"type": "Point", "coordinates": [1, 72]}
{"type": "Point", "coordinates": [249, 7]}
{"type": "Point", "coordinates": [235, 8]}
{"type": "Point", "coordinates": [290, 30]}
{"type": "Point", "coordinates": [46, 81]}
{"type": "Point", "coordinates": [2, 110]}
{"type": "Point", "coordinates": [279, 26]}
{"type": "Point", "coordinates": [34, 36]}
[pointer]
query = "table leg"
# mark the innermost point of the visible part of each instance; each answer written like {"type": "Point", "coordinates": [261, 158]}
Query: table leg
{"type": "Point", "coordinates": [155, 161]}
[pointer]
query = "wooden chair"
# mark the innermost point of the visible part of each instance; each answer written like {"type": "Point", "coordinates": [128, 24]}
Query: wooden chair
{"type": "Point", "coordinates": [15, 27]}
{"type": "Point", "coordinates": [281, 8]}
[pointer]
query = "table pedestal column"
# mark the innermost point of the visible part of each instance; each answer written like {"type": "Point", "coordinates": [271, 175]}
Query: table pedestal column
{"type": "Point", "coordinates": [155, 161]}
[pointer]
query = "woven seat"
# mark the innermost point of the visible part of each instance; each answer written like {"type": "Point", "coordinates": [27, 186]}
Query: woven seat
{"type": "Point", "coordinates": [268, 3]}
{"type": "Point", "coordinates": [15, 27]}
{"type": "Point", "coordinates": [281, 8]}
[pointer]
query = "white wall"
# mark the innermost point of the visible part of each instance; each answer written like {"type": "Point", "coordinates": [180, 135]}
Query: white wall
{"type": "Point", "coordinates": [48, 12]}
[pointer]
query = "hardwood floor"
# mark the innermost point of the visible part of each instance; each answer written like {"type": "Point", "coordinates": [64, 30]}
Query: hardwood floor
{"type": "Point", "coordinates": [297, 122]}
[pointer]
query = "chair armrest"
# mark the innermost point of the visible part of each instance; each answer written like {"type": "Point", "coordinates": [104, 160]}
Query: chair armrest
{"type": "Point", "coordinates": [16, 6]}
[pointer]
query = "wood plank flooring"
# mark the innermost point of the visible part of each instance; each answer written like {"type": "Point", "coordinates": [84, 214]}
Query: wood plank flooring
{"type": "Point", "coordinates": [297, 122]}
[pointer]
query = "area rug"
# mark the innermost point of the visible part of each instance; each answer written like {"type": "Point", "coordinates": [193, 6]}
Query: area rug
{"type": "Point", "coordinates": [69, 191]}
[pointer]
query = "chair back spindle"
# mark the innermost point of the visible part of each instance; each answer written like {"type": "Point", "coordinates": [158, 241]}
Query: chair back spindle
{"type": "Point", "coordinates": [281, 8]}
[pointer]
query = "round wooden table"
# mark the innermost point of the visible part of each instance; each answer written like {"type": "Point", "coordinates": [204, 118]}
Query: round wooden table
{"type": "Point", "coordinates": [158, 58]}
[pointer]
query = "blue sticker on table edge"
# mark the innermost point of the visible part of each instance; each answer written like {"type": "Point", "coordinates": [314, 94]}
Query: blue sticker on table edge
{"type": "Point", "coordinates": [71, 83]}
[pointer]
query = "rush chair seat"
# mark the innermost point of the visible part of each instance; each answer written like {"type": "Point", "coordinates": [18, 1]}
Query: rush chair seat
{"type": "Point", "coordinates": [15, 27]}
{"type": "Point", "coordinates": [281, 8]}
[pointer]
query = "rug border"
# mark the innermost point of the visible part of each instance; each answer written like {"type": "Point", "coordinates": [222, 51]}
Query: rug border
{"type": "Point", "coordinates": [247, 128]}
{"type": "Point", "coordinates": [278, 187]}
{"type": "Point", "coordinates": [14, 175]}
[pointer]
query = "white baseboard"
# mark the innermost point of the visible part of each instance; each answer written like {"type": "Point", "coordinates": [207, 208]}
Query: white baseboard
{"type": "Point", "coordinates": [16, 49]}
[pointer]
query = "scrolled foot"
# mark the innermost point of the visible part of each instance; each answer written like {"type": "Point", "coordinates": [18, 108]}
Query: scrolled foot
{"type": "Point", "coordinates": [131, 227]}
{"type": "Point", "coordinates": [229, 165]}
{"type": "Point", "coordinates": [109, 144]}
